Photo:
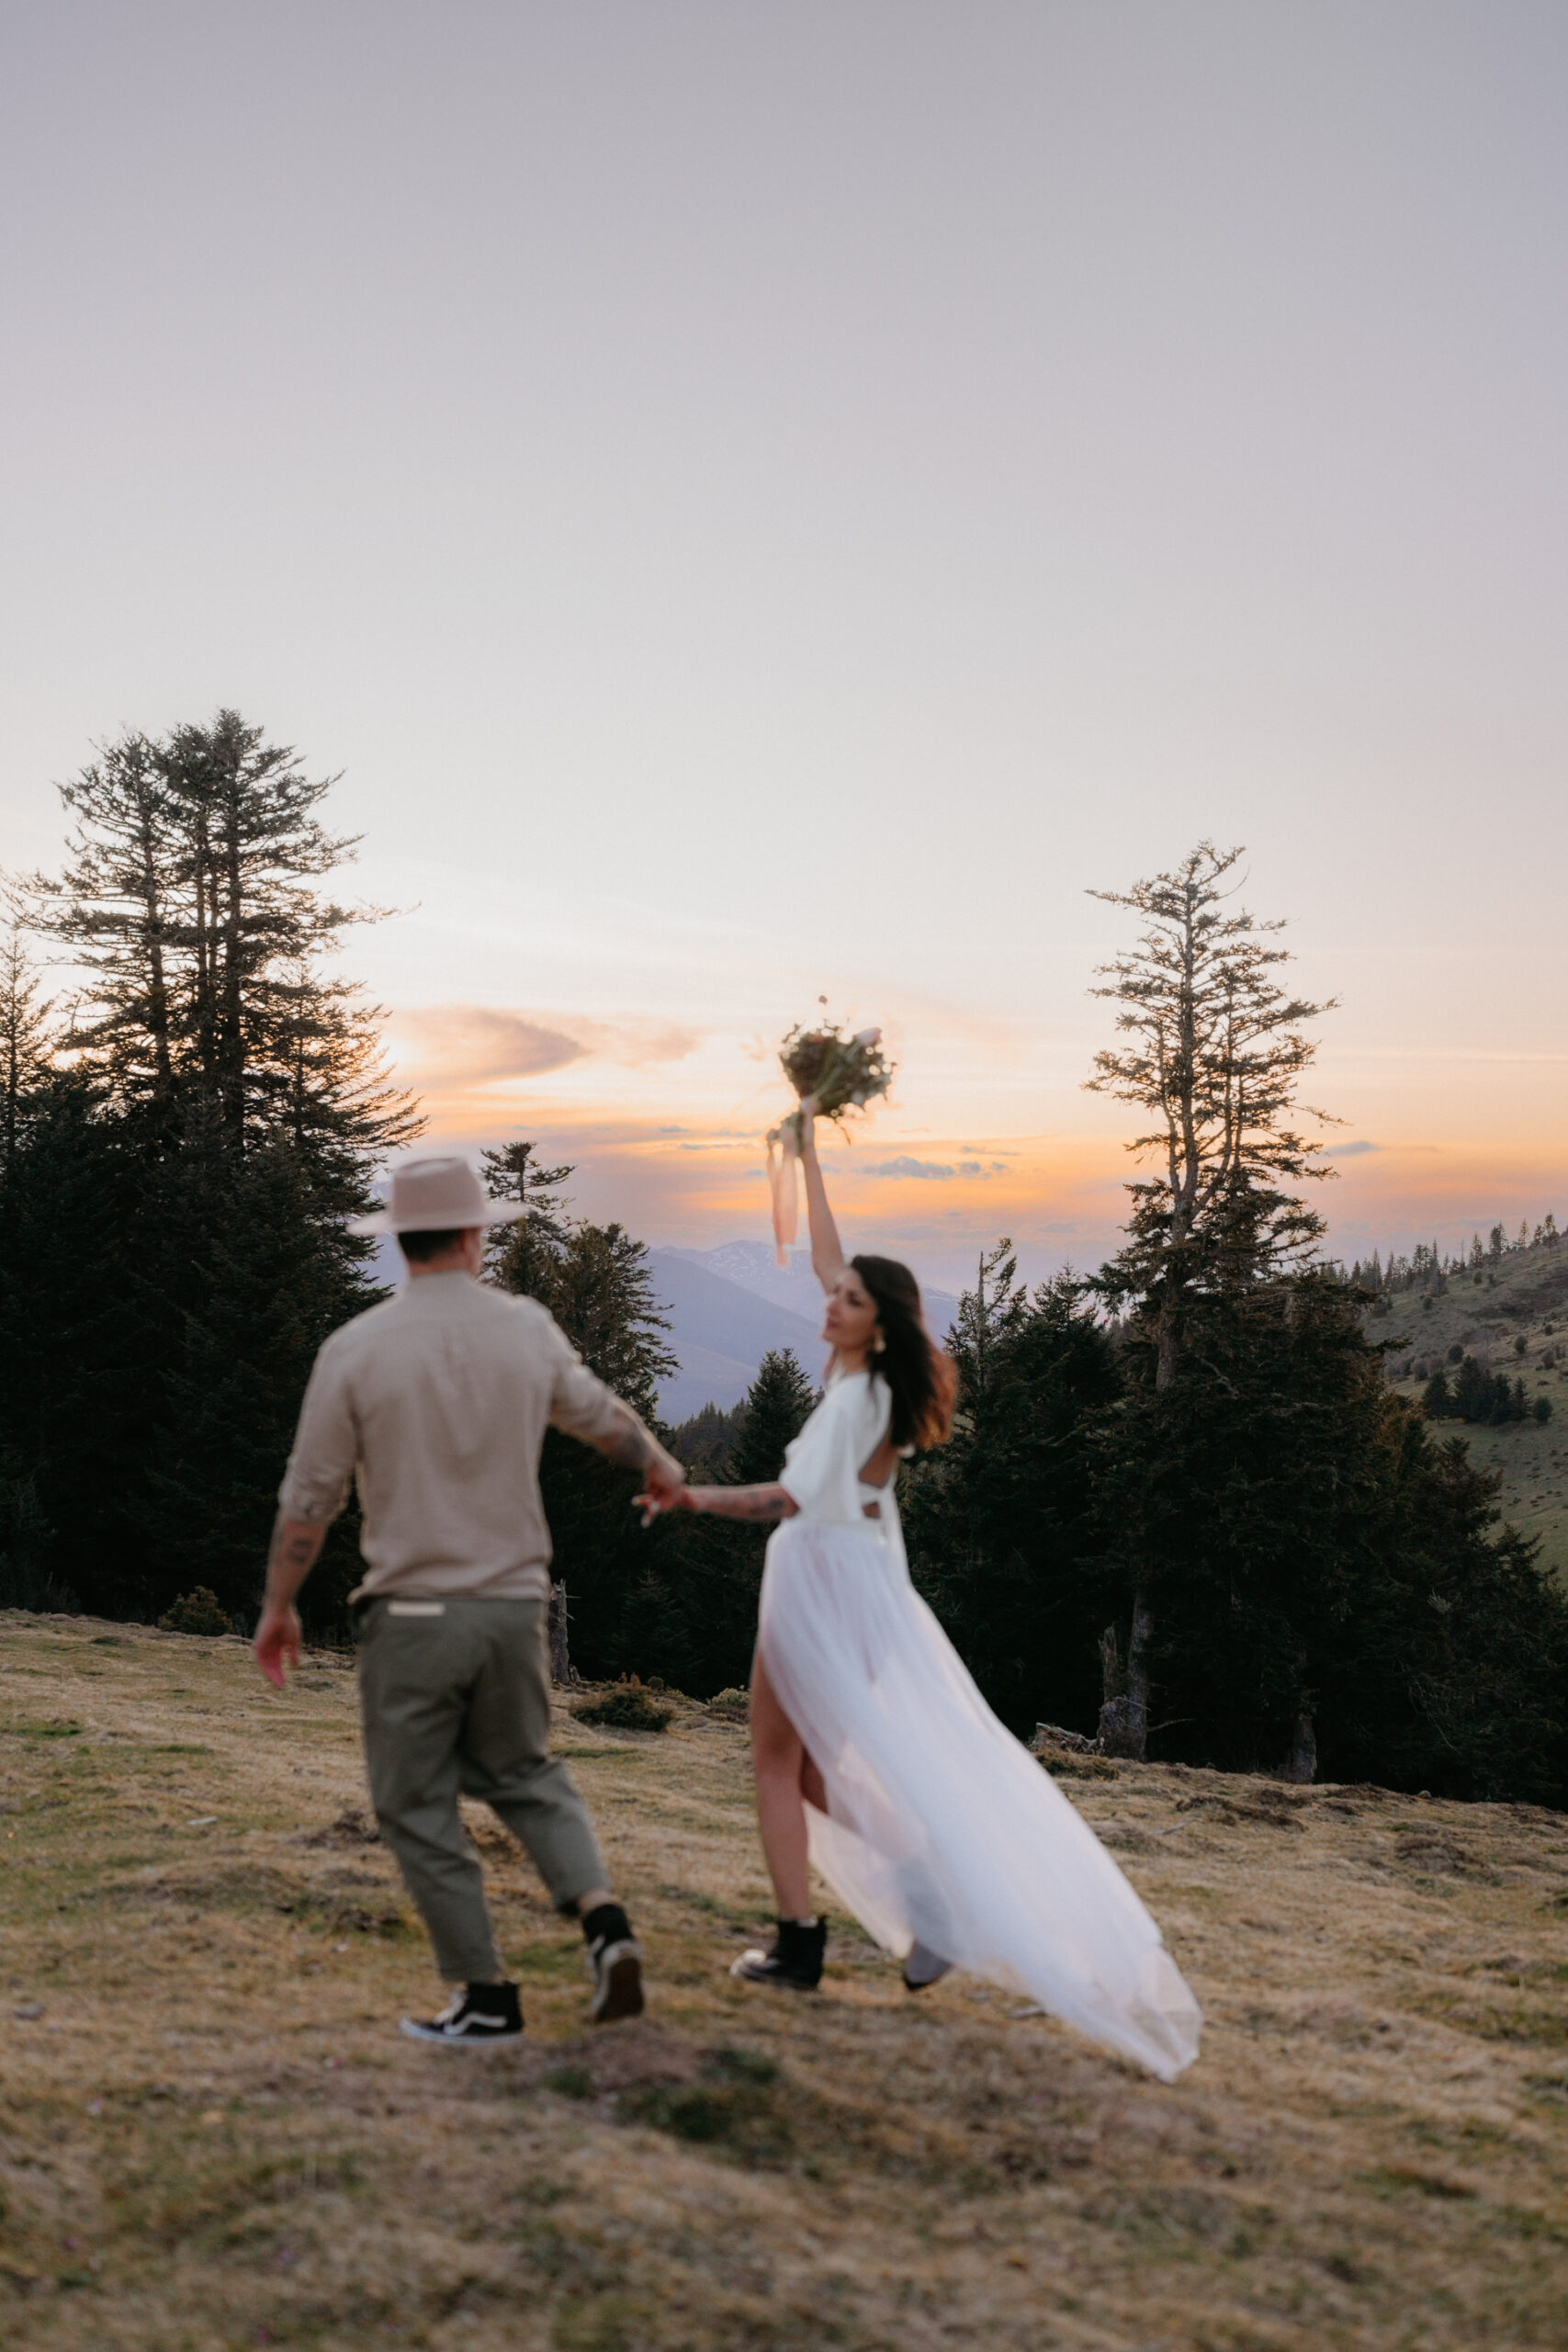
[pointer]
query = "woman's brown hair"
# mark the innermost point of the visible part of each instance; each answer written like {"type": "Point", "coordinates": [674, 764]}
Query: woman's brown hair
{"type": "Point", "coordinates": [921, 1379]}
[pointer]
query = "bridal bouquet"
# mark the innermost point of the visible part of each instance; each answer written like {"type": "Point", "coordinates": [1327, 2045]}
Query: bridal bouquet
{"type": "Point", "coordinates": [831, 1074]}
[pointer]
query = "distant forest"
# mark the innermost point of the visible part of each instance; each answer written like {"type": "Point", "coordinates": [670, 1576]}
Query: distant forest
{"type": "Point", "coordinates": [1181, 1509]}
{"type": "Point", "coordinates": [1427, 1269]}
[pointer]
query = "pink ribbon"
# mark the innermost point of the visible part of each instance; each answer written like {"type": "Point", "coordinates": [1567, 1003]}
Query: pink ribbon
{"type": "Point", "coordinates": [784, 1154]}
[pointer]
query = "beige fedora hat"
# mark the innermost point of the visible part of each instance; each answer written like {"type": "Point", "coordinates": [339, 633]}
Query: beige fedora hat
{"type": "Point", "coordinates": [437, 1197]}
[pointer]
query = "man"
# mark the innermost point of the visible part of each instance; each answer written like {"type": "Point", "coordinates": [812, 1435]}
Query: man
{"type": "Point", "coordinates": [437, 1402]}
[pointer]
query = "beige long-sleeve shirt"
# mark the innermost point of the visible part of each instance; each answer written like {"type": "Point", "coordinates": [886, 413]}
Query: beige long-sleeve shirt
{"type": "Point", "coordinates": [437, 1401]}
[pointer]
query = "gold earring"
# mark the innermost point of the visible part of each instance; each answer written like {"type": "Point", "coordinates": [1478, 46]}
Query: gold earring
{"type": "Point", "coordinates": [878, 1344]}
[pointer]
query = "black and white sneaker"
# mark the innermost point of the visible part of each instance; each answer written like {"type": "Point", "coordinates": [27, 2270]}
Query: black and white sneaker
{"type": "Point", "coordinates": [478, 2018]}
{"type": "Point", "coordinates": [922, 1968]}
{"type": "Point", "coordinates": [796, 1960]}
{"type": "Point", "coordinates": [615, 1963]}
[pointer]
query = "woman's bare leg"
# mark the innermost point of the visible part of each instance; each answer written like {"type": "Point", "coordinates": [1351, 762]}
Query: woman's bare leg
{"type": "Point", "coordinates": [780, 1762]}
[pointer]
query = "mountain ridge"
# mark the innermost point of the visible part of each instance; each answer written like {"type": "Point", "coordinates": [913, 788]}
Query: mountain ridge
{"type": "Point", "coordinates": [728, 1305]}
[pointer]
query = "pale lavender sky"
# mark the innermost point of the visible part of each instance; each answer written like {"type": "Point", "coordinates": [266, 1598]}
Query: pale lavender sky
{"type": "Point", "coordinates": [769, 499]}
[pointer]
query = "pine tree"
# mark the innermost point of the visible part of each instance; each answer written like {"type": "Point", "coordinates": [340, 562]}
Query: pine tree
{"type": "Point", "coordinates": [1456, 1678]}
{"type": "Point", "coordinates": [600, 1291]}
{"type": "Point", "coordinates": [999, 1522]}
{"type": "Point", "coordinates": [706, 1440]}
{"type": "Point", "coordinates": [25, 1580]}
{"type": "Point", "coordinates": [1217, 1051]}
{"type": "Point", "coordinates": [521, 1255]}
{"type": "Point", "coordinates": [189, 901]}
{"type": "Point", "coordinates": [1311, 1555]}
{"type": "Point", "coordinates": [27, 1039]}
{"type": "Point", "coordinates": [778, 1403]}
{"type": "Point", "coordinates": [595, 1281]}
{"type": "Point", "coordinates": [119, 905]}
{"type": "Point", "coordinates": [223, 1085]}
{"type": "Point", "coordinates": [988, 1316]}
{"type": "Point", "coordinates": [80, 1362]}
{"type": "Point", "coordinates": [274, 1282]}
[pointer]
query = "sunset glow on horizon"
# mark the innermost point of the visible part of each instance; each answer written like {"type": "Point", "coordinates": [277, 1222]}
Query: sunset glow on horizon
{"type": "Point", "coordinates": [760, 506]}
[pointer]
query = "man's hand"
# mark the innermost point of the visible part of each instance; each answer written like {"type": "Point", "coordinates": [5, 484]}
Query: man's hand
{"type": "Point", "coordinates": [277, 1640]}
{"type": "Point", "coordinates": [664, 1486]}
{"type": "Point", "coordinates": [664, 1479]}
{"type": "Point", "coordinates": [295, 1544]}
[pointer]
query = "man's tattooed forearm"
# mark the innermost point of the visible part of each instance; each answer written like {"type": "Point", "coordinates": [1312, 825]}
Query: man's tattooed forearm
{"type": "Point", "coordinates": [296, 1550]}
{"type": "Point", "coordinates": [746, 1502]}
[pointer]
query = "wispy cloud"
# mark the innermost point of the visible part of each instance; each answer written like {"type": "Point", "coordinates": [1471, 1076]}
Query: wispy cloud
{"type": "Point", "coordinates": [1356, 1151]}
{"type": "Point", "coordinates": [932, 1171]}
{"type": "Point", "coordinates": [458, 1046]}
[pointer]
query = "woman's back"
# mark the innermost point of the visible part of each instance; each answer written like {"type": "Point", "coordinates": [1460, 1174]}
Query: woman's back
{"type": "Point", "coordinates": [823, 1465]}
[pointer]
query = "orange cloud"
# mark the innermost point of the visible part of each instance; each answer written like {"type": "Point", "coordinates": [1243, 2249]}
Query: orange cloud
{"type": "Point", "coordinates": [461, 1052]}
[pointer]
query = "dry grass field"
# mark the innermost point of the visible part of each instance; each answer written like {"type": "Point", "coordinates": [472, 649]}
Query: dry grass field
{"type": "Point", "coordinates": [213, 2138]}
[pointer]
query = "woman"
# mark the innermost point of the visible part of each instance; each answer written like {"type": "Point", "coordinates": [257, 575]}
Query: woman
{"type": "Point", "coordinates": [876, 1759]}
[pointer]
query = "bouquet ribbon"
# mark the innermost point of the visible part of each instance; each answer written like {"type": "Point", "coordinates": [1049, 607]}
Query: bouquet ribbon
{"type": "Point", "coordinates": [783, 1158]}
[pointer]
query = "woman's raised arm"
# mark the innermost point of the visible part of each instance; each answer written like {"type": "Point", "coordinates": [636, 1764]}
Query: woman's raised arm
{"type": "Point", "coordinates": [826, 1251]}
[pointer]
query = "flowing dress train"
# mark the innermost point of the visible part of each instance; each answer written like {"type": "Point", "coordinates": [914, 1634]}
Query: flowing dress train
{"type": "Point", "coordinates": [941, 1828]}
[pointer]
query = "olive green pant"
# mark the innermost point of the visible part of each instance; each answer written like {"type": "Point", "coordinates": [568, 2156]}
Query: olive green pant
{"type": "Point", "coordinates": [455, 1697]}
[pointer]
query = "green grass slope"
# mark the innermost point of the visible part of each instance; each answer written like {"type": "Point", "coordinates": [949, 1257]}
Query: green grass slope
{"type": "Point", "coordinates": [1522, 1297]}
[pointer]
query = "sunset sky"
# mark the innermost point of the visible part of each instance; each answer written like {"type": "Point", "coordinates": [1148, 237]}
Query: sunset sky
{"type": "Point", "coordinates": [762, 502]}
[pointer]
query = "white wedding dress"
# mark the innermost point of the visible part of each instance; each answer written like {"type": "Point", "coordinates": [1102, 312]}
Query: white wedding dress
{"type": "Point", "coordinates": [941, 1828]}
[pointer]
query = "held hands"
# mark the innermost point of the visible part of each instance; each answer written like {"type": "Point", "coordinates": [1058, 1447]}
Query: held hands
{"type": "Point", "coordinates": [664, 1489]}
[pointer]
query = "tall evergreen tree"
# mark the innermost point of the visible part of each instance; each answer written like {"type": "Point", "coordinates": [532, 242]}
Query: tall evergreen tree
{"type": "Point", "coordinates": [987, 1318]}
{"type": "Point", "coordinates": [276, 1281]}
{"type": "Point", "coordinates": [190, 903]}
{"type": "Point", "coordinates": [1311, 1556]}
{"type": "Point", "coordinates": [999, 1521]}
{"type": "Point", "coordinates": [198, 1165]}
{"type": "Point", "coordinates": [27, 1039]}
{"type": "Point", "coordinates": [520, 1256]}
{"type": "Point", "coordinates": [80, 1364]}
{"type": "Point", "coordinates": [119, 905]}
{"type": "Point", "coordinates": [777, 1407]}
{"type": "Point", "coordinates": [595, 1281]}
{"type": "Point", "coordinates": [1215, 1051]}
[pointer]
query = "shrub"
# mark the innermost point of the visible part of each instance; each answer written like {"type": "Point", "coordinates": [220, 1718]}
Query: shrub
{"type": "Point", "coordinates": [734, 1704]}
{"type": "Point", "coordinates": [199, 1611]}
{"type": "Point", "coordinates": [1456, 1355]}
{"type": "Point", "coordinates": [626, 1705]}
{"type": "Point", "coordinates": [1520, 1344]}
{"type": "Point", "coordinates": [1543, 1408]}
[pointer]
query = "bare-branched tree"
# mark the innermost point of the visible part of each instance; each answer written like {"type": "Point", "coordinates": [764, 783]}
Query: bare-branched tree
{"type": "Point", "coordinates": [1215, 1049]}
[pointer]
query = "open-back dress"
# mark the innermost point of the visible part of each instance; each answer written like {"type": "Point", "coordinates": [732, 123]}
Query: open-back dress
{"type": "Point", "coordinates": [940, 1829]}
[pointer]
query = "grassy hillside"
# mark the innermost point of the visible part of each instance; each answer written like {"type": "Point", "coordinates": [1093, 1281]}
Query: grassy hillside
{"type": "Point", "coordinates": [1525, 1297]}
{"type": "Point", "coordinates": [213, 2138]}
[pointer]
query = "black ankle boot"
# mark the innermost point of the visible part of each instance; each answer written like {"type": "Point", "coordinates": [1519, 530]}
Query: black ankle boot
{"type": "Point", "coordinates": [795, 1959]}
